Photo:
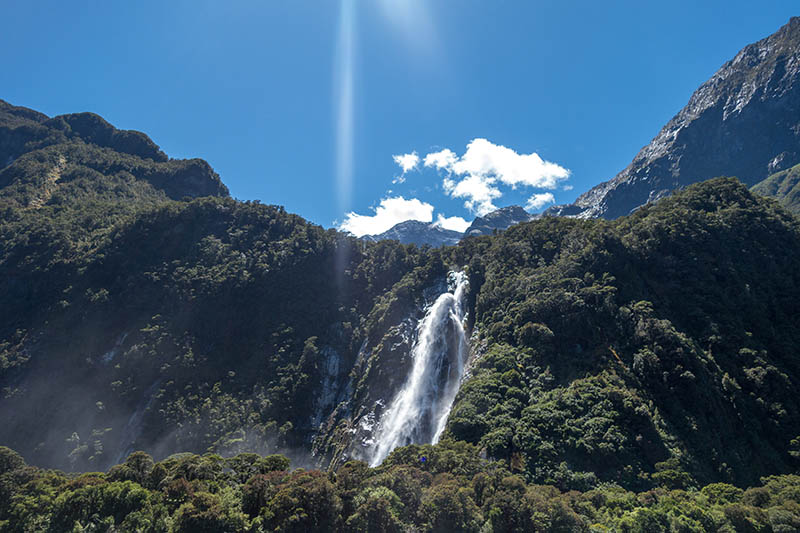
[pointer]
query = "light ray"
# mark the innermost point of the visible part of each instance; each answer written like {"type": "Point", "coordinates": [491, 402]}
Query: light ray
{"type": "Point", "coordinates": [344, 74]}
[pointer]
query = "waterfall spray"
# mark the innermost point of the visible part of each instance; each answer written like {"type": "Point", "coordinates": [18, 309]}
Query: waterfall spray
{"type": "Point", "coordinates": [419, 411]}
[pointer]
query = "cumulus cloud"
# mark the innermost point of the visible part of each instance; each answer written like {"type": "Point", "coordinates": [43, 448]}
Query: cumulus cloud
{"type": "Point", "coordinates": [484, 158]}
{"type": "Point", "coordinates": [407, 162]}
{"type": "Point", "coordinates": [444, 159]}
{"type": "Point", "coordinates": [478, 191]}
{"type": "Point", "coordinates": [476, 174]}
{"type": "Point", "coordinates": [389, 212]}
{"type": "Point", "coordinates": [537, 201]}
{"type": "Point", "coordinates": [452, 223]}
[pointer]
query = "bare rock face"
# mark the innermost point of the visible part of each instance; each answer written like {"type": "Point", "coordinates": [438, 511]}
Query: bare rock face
{"type": "Point", "coordinates": [743, 122]}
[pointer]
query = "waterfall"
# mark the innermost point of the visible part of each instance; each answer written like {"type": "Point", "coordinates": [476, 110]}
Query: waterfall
{"type": "Point", "coordinates": [418, 413]}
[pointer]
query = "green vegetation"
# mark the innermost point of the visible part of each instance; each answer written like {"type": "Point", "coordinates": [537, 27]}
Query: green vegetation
{"type": "Point", "coordinates": [132, 316]}
{"type": "Point", "coordinates": [660, 345]}
{"type": "Point", "coordinates": [452, 490]}
{"type": "Point", "coordinates": [222, 316]}
{"type": "Point", "coordinates": [785, 186]}
{"type": "Point", "coordinates": [626, 375]}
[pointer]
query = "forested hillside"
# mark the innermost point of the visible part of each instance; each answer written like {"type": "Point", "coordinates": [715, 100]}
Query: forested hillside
{"type": "Point", "coordinates": [418, 488]}
{"type": "Point", "coordinates": [659, 345]}
{"type": "Point", "coordinates": [785, 186]}
{"type": "Point", "coordinates": [144, 309]}
{"type": "Point", "coordinates": [132, 320]}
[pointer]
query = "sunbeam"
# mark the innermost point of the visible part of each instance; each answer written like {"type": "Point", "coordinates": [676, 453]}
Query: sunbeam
{"type": "Point", "coordinates": [343, 89]}
{"type": "Point", "coordinates": [343, 95]}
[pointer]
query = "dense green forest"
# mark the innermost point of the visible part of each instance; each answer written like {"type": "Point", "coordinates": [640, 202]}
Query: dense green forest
{"type": "Point", "coordinates": [635, 375]}
{"type": "Point", "coordinates": [662, 343]}
{"type": "Point", "coordinates": [443, 488]}
{"type": "Point", "coordinates": [785, 186]}
{"type": "Point", "coordinates": [136, 317]}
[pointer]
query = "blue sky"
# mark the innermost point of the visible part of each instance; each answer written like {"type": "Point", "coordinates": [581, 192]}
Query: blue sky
{"type": "Point", "coordinates": [305, 103]}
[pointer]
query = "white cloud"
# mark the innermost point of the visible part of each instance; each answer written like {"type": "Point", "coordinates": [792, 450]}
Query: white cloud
{"type": "Point", "coordinates": [444, 159]}
{"type": "Point", "coordinates": [407, 162]}
{"type": "Point", "coordinates": [452, 223]}
{"type": "Point", "coordinates": [390, 212]}
{"type": "Point", "coordinates": [537, 201]}
{"type": "Point", "coordinates": [484, 158]}
{"type": "Point", "coordinates": [478, 191]}
{"type": "Point", "coordinates": [485, 165]}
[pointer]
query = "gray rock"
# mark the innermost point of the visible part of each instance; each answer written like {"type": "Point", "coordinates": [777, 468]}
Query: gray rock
{"type": "Point", "coordinates": [743, 122]}
{"type": "Point", "coordinates": [416, 232]}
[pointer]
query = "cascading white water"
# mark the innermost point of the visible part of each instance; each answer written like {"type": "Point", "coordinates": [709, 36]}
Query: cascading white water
{"type": "Point", "coordinates": [418, 413]}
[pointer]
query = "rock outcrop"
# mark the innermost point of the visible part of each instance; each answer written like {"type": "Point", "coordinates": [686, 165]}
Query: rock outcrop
{"type": "Point", "coordinates": [743, 122]}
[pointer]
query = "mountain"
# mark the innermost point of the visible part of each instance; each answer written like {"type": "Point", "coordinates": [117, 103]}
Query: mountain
{"type": "Point", "coordinates": [743, 122]}
{"type": "Point", "coordinates": [652, 353]}
{"type": "Point", "coordinates": [654, 317]}
{"type": "Point", "coordinates": [183, 349]}
{"type": "Point", "coordinates": [498, 220]}
{"type": "Point", "coordinates": [132, 320]}
{"type": "Point", "coordinates": [615, 351]}
{"type": "Point", "coordinates": [134, 290]}
{"type": "Point", "coordinates": [43, 159]}
{"type": "Point", "coordinates": [419, 233]}
{"type": "Point", "coordinates": [783, 185]}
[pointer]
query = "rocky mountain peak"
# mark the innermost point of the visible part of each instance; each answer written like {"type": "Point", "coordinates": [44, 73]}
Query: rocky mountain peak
{"type": "Point", "coordinates": [744, 122]}
{"type": "Point", "coordinates": [420, 233]}
{"type": "Point", "coordinates": [416, 232]}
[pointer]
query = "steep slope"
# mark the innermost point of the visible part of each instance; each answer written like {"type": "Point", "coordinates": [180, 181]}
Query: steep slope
{"type": "Point", "coordinates": [130, 319]}
{"type": "Point", "coordinates": [209, 325]}
{"type": "Point", "coordinates": [23, 130]}
{"type": "Point", "coordinates": [419, 233]}
{"type": "Point", "coordinates": [498, 220]}
{"type": "Point", "coordinates": [743, 122]}
{"type": "Point", "coordinates": [784, 186]}
{"type": "Point", "coordinates": [659, 345]}
{"type": "Point", "coordinates": [658, 348]}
